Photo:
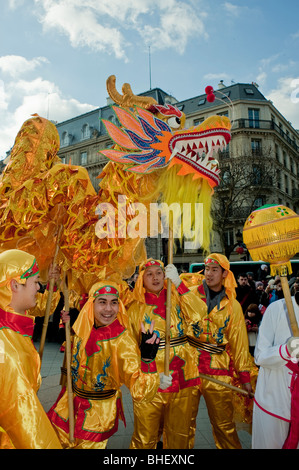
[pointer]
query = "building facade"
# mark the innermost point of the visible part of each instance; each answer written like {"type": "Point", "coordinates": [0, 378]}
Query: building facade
{"type": "Point", "coordinates": [261, 165]}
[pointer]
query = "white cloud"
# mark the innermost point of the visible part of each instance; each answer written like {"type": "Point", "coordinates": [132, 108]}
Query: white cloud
{"type": "Point", "coordinates": [261, 78]}
{"type": "Point", "coordinates": [52, 106]}
{"type": "Point", "coordinates": [216, 76]}
{"type": "Point", "coordinates": [103, 25]}
{"type": "Point", "coordinates": [278, 68]}
{"type": "Point", "coordinates": [233, 10]}
{"type": "Point", "coordinates": [15, 65]}
{"type": "Point", "coordinates": [273, 65]}
{"type": "Point", "coordinates": [285, 99]}
{"type": "Point", "coordinates": [128, 11]}
{"type": "Point", "coordinates": [3, 98]}
{"type": "Point", "coordinates": [80, 25]}
{"type": "Point", "coordinates": [13, 4]}
{"type": "Point", "coordinates": [19, 99]}
{"type": "Point", "coordinates": [266, 67]}
{"type": "Point", "coordinates": [178, 23]}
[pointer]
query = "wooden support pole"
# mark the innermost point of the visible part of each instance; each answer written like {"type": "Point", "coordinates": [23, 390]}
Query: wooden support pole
{"type": "Point", "coordinates": [168, 306]}
{"type": "Point", "coordinates": [49, 301]}
{"type": "Point", "coordinates": [289, 304]}
{"type": "Point", "coordinates": [68, 364]}
{"type": "Point", "coordinates": [232, 387]}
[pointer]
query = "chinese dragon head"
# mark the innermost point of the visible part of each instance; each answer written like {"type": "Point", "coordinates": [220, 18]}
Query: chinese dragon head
{"type": "Point", "coordinates": [178, 165]}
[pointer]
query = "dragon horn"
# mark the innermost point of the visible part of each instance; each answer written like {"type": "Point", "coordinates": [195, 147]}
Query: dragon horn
{"type": "Point", "coordinates": [128, 99]}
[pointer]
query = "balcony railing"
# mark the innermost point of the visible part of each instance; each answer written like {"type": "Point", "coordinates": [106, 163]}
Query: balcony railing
{"type": "Point", "coordinates": [261, 124]}
{"type": "Point", "coordinates": [240, 213]}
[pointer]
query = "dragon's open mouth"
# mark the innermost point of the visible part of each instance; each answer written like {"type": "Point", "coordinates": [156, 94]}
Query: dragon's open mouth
{"type": "Point", "coordinates": [195, 149]}
{"type": "Point", "coordinates": [146, 143]}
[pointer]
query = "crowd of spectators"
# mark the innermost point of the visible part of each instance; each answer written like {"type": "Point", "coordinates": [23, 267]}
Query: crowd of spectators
{"type": "Point", "coordinates": [255, 293]}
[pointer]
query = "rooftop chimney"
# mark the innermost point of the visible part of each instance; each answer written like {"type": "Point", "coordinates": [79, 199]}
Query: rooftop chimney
{"type": "Point", "coordinates": [221, 85]}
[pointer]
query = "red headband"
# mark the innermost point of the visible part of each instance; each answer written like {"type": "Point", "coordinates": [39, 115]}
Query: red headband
{"type": "Point", "coordinates": [106, 290]}
{"type": "Point", "coordinates": [34, 269]}
{"type": "Point", "coordinates": [153, 263]}
{"type": "Point", "coordinates": [211, 261]}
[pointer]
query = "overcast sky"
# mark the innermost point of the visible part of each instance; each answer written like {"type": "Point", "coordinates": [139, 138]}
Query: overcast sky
{"type": "Point", "coordinates": [55, 55]}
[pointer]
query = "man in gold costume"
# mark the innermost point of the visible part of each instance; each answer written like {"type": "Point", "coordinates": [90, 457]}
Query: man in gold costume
{"type": "Point", "coordinates": [104, 356]}
{"type": "Point", "coordinates": [170, 410]}
{"type": "Point", "coordinates": [23, 421]}
{"type": "Point", "coordinates": [222, 344]}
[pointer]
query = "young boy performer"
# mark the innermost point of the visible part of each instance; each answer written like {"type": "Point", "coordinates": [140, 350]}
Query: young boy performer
{"type": "Point", "coordinates": [22, 417]}
{"type": "Point", "coordinates": [104, 356]}
{"type": "Point", "coordinates": [222, 343]}
{"type": "Point", "coordinates": [171, 408]}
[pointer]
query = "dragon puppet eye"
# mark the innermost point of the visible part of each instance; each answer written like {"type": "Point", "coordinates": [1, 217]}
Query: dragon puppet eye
{"type": "Point", "coordinates": [174, 122]}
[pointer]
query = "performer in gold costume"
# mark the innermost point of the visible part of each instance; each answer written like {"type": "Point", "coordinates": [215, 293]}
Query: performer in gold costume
{"type": "Point", "coordinates": [104, 356]}
{"type": "Point", "coordinates": [170, 409]}
{"type": "Point", "coordinates": [24, 423]}
{"type": "Point", "coordinates": [222, 344]}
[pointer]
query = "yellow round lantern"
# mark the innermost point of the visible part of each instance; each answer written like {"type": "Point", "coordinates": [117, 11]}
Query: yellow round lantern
{"type": "Point", "coordinates": [271, 234]}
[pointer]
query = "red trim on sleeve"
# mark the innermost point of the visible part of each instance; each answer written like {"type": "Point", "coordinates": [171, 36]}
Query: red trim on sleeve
{"type": "Point", "coordinates": [244, 377]}
{"type": "Point", "coordinates": [182, 289]}
{"type": "Point", "coordinates": [286, 351]}
{"type": "Point", "coordinates": [148, 367]}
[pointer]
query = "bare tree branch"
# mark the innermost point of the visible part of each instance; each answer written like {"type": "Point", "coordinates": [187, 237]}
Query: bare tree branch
{"type": "Point", "coordinates": [245, 178]}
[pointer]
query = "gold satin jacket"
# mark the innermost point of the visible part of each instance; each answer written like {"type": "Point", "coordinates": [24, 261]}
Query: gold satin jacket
{"type": "Point", "coordinates": [224, 329]}
{"type": "Point", "coordinates": [22, 417]}
{"type": "Point", "coordinates": [186, 309]}
{"type": "Point", "coordinates": [111, 358]}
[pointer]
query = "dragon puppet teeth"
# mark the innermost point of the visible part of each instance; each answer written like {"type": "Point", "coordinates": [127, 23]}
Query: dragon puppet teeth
{"type": "Point", "coordinates": [206, 144]}
{"type": "Point", "coordinates": [197, 150]}
{"type": "Point", "coordinates": [177, 149]}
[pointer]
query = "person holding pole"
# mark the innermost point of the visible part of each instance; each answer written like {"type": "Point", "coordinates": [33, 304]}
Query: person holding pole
{"type": "Point", "coordinates": [170, 409]}
{"type": "Point", "coordinates": [222, 344]}
{"type": "Point", "coordinates": [40, 308]}
{"type": "Point", "coordinates": [275, 423]}
{"type": "Point", "coordinates": [23, 421]}
{"type": "Point", "coordinates": [104, 357]}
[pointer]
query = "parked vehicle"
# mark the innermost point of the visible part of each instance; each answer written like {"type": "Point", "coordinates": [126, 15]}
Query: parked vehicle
{"type": "Point", "coordinates": [245, 267]}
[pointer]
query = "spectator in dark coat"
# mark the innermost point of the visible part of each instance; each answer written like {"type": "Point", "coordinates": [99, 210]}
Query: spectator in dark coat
{"type": "Point", "coordinates": [263, 297]}
{"type": "Point", "coordinates": [246, 295]}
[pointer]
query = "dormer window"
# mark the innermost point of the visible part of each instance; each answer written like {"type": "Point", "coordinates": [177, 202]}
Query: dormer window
{"type": "Point", "coordinates": [65, 138]}
{"type": "Point", "coordinates": [85, 132]}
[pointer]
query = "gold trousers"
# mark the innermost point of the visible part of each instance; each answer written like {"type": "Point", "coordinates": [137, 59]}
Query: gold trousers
{"type": "Point", "coordinates": [5, 442]}
{"type": "Point", "coordinates": [79, 443]}
{"type": "Point", "coordinates": [221, 413]}
{"type": "Point", "coordinates": [170, 411]}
